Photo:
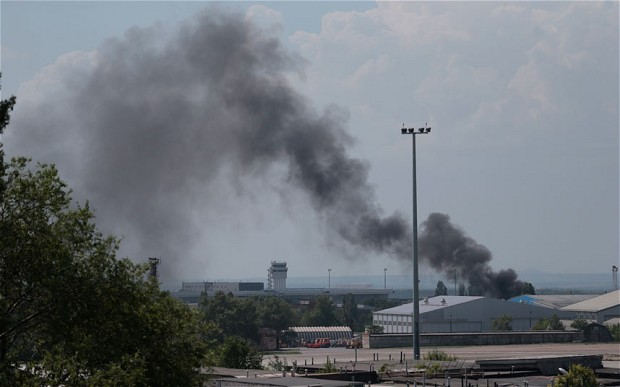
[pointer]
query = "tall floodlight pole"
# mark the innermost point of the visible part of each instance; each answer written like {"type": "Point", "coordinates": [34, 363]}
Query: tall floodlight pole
{"type": "Point", "coordinates": [385, 278]}
{"type": "Point", "coordinates": [329, 278]}
{"type": "Point", "coordinates": [416, 289]}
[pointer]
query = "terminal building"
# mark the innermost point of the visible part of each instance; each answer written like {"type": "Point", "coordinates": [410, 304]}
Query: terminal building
{"type": "Point", "coordinates": [190, 292]}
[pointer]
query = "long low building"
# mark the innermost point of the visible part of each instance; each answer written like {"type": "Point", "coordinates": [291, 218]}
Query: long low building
{"type": "Point", "coordinates": [309, 334]}
{"type": "Point", "coordinates": [445, 314]}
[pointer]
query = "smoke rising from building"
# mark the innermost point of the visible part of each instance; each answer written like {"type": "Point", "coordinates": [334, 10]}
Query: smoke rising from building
{"type": "Point", "coordinates": [447, 249]}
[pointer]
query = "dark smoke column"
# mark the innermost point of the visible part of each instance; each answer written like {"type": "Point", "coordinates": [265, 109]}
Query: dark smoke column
{"type": "Point", "coordinates": [416, 282]}
{"type": "Point", "coordinates": [448, 250]}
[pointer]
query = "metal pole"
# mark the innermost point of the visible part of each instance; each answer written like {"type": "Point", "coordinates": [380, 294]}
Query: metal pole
{"type": "Point", "coordinates": [384, 278]}
{"type": "Point", "coordinates": [416, 290]}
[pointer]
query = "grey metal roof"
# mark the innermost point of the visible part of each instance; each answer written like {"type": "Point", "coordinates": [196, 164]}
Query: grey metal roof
{"type": "Point", "coordinates": [429, 304]}
{"type": "Point", "coordinates": [596, 304]}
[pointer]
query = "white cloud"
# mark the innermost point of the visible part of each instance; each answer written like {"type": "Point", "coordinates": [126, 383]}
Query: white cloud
{"type": "Point", "coordinates": [506, 80]}
{"type": "Point", "coordinates": [266, 18]}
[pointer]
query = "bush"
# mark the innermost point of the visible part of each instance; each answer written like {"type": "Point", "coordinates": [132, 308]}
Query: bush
{"type": "Point", "coordinates": [578, 376]}
{"type": "Point", "coordinates": [614, 329]}
{"type": "Point", "coordinates": [278, 364]}
{"type": "Point", "coordinates": [579, 324]}
{"type": "Point", "coordinates": [549, 324]}
{"type": "Point", "coordinates": [502, 323]}
{"type": "Point", "coordinates": [438, 355]}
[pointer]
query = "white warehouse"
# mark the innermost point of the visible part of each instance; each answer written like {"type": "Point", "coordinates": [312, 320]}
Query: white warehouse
{"type": "Point", "coordinates": [442, 314]}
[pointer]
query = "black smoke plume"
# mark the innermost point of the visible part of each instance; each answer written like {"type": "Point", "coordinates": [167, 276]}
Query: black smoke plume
{"type": "Point", "coordinates": [447, 249]}
{"type": "Point", "coordinates": [156, 117]}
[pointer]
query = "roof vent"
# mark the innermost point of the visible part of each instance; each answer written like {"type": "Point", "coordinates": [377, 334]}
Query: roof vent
{"type": "Point", "coordinates": [426, 300]}
{"type": "Point", "coordinates": [443, 301]}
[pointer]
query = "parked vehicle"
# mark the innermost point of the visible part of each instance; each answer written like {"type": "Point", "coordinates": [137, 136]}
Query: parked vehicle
{"type": "Point", "coordinates": [319, 343]}
{"type": "Point", "coordinates": [355, 342]}
{"type": "Point", "coordinates": [339, 343]}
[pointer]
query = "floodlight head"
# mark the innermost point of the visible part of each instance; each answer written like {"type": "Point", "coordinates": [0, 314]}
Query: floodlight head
{"type": "Point", "coordinates": [410, 130]}
{"type": "Point", "coordinates": [421, 130]}
{"type": "Point", "coordinates": [403, 130]}
{"type": "Point", "coordinates": [428, 130]}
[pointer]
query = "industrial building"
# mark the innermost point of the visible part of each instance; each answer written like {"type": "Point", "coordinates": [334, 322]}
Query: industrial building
{"type": "Point", "coordinates": [451, 314]}
{"type": "Point", "coordinates": [602, 309]}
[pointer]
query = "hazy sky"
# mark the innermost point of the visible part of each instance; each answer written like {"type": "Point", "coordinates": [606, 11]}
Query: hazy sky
{"type": "Point", "coordinates": [187, 125]}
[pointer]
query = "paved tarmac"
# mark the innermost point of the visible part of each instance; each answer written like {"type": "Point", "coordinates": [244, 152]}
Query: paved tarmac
{"type": "Point", "coordinates": [610, 352]}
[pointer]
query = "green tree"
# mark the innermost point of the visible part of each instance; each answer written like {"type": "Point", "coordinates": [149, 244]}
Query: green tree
{"type": "Point", "coordinates": [614, 329]}
{"type": "Point", "coordinates": [350, 313]}
{"type": "Point", "coordinates": [67, 299]}
{"type": "Point", "coordinates": [528, 288]}
{"type": "Point", "coordinates": [578, 376]}
{"type": "Point", "coordinates": [239, 353]}
{"type": "Point", "coordinates": [501, 323]}
{"type": "Point", "coordinates": [275, 313]}
{"type": "Point", "coordinates": [233, 316]}
{"type": "Point", "coordinates": [72, 312]}
{"type": "Point", "coordinates": [552, 323]}
{"type": "Point", "coordinates": [461, 289]}
{"type": "Point", "coordinates": [322, 314]}
{"type": "Point", "coordinates": [579, 324]}
{"type": "Point", "coordinates": [441, 289]}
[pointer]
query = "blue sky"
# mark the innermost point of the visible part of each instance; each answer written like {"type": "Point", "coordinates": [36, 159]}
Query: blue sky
{"type": "Point", "coordinates": [522, 99]}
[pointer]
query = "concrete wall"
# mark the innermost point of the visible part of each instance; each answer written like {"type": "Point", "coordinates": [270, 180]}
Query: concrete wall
{"type": "Point", "coordinates": [478, 338]}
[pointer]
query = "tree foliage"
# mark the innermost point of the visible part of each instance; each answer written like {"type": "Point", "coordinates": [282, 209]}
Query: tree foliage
{"type": "Point", "coordinates": [350, 315]}
{"type": "Point", "coordinates": [614, 329]}
{"type": "Point", "coordinates": [441, 289]}
{"type": "Point", "coordinates": [528, 288]}
{"type": "Point", "coordinates": [236, 352]}
{"type": "Point", "coordinates": [438, 355]}
{"type": "Point", "coordinates": [552, 323]}
{"type": "Point", "coordinates": [71, 313]}
{"type": "Point", "coordinates": [579, 324]}
{"type": "Point", "coordinates": [275, 313]}
{"type": "Point", "coordinates": [502, 323]}
{"type": "Point", "coordinates": [578, 376]}
{"type": "Point", "coordinates": [322, 314]}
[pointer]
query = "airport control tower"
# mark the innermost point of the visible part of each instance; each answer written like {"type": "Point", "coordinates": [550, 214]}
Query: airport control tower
{"type": "Point", "coordinates": [276, 279]}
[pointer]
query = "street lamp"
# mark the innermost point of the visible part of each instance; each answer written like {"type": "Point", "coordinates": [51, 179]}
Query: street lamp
{"type": "Point", "coordinates": [329, 278]}
{"type": "Point", "coordinates": [385, 278]}
{"type": "Point", "coordinates": [416, 290]}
